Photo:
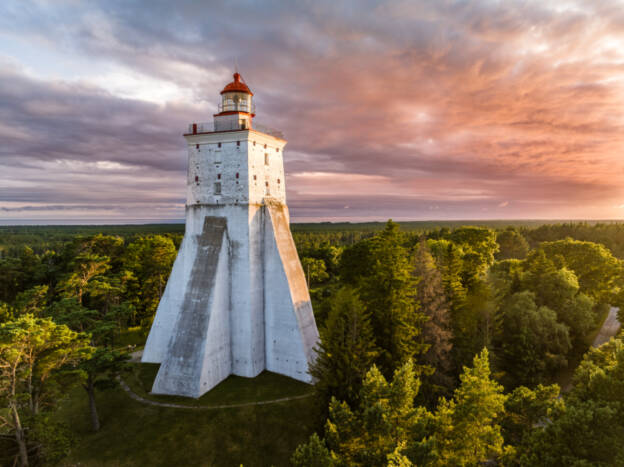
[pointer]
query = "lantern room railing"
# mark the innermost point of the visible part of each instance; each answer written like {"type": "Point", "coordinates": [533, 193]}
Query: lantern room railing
{"type": "Point", "coordinates": [208, 127]}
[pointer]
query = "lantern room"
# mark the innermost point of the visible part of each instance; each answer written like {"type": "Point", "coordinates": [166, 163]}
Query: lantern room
{"type": "Point", "coordinates": [236, 109]}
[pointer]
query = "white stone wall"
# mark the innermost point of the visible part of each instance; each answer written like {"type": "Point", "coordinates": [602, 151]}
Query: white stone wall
{"type": "Point", "coordinates": [270, 321]}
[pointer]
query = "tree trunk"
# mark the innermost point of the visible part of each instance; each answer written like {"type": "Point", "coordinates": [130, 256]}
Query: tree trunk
{"type": "Point", "coordinates": [19, 436]}
{"type": "Point", "coordinates": [90, 388]}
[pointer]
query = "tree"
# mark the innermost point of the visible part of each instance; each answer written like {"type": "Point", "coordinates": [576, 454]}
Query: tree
{"type": "Point", "coordinates": [533, 343]}
{"type": "Point", "coordinates": [527, 408]}
{"type": "Point", "coordinates": [315, 270]}
{"type": "Point", "coordinates": [559, 290]}
{"type": "Point", "coordinates": [346, 351]}
{"type": "Point", "coordinates": [386, 418]}
{"type": "Point", "coordinates": [436, 334]}
{"type": "Point", "coordinates": [511, 245]}
{"type": "Point", "coordinates": [314, 453]}
{"type": "Point", "coordinates": [103, 367]}
{"type": "Point", "coordinates": [466, 429]}
{"type": "Point", "coordinates": [149, 260]}
{"type": "Point", "coordinates": [589, 429]}
{"type": "Point", "coordinates": [594, 265]}
{"type": "Point", "coordinates": [386, 287]}
{"type": "Point", "coordinates": [33, 353]}
{"type": "Point", "coordinates": [86, 267]}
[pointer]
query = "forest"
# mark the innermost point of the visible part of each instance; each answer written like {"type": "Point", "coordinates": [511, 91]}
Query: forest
{"type": "Point", "coordinates": [441, 344]}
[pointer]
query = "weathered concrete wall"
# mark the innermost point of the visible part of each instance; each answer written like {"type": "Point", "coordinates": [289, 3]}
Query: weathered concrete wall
{"type": "Point", "coordinates": [198, 353]}
{"type": "Point", "coordinates": [242, 305]}
{"type": "Point", "coordinates": [291, 332]}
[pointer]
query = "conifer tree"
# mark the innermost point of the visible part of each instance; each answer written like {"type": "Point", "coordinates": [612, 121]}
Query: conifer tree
{"type": "Point", "coordinates": [437, 332]}
{"type": "Point", "coordinates": [346, 351]}
{"type": "Point", "coordinates": [387, 289]}
{"type": "Point", "coordinates": [467, 430]}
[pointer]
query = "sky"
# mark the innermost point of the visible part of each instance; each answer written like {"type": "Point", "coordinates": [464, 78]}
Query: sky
{"type": "Point", "coordinates": [392, 109]}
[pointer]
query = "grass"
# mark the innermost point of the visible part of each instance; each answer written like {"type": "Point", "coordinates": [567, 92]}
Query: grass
{"type": "Point", "coordinates": [233, 390]}
{"type": "Point", "coordinates": [133, 433]}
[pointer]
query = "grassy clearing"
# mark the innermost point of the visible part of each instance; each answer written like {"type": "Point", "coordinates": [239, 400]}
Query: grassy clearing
{"type": "Point", "coordinates": [234, 390]}
{"type": "Point", "coordinates": [137, 434]}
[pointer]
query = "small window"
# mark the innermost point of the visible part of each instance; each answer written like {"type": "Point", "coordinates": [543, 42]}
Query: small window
{"type": "Point", "coordinates": [218, 145]}
{"type": "Point", "coordinates": [196, 178]}
{"type": "Point", "coordinates": [197, 147]}
{"type": "Point", "coordinates": [218, 176]}
{"type": "Point", "coordinates": [266, 184]}
{"type": "Point", "coordinates": [236, 174]}
{"type": "Point", "coordinates": [238, 143]}
{"type": "Point", "coordinates": [255, 177]}
{"type": "Point", "coordinates": [265, 146]}
{"type": "Point", "coordinates": [254, 143]}
{"type": "Point", "coordinates": [276, 149]}
{"type": "Point", "coordinates": [266, 158]}
{"type": "Point", "coordinates": [217, 187]}
{"type": "Point", "coordinates": [278, 180]}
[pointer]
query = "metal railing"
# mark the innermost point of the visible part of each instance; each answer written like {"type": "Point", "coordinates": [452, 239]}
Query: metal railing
{"type": "Point", "coordinates": [209, 127]}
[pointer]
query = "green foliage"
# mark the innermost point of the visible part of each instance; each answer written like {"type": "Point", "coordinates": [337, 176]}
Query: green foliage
{"type": "Point", "coordinates": [315, 270]}
{"type": "Point", "coordinates": [386, 428]}
{"type": "Point", "coordinates": [149, 261]}
{"type": "Point", "coordinates": [598, 272]}
{"type": "Point", "coordinates": [37, 362]}
{"type": "Point", "coordinates": [385, 417]}
{"type": "Point", "coordinates": [383, 275]}
{"type": "Point", "coordinates": [346, 351]}
{"type": "Point", "coordinates": [527, 408]}
{"type": "Point", "coordinates": [534, 344]}
{"type": "Point", "coordinates": [511, 245]}
{"type": "Point", "coordinates": [437, 333]}
{"type": "Point", "coordinates": [466, 429]}
{"type": "Point", "coordinates": [590, 428]}
{"type": "Point", "coordinates": [314, 453]}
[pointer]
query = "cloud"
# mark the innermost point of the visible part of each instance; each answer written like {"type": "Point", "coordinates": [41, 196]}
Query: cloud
{"type": "Point", "coordinates": [412, 109]}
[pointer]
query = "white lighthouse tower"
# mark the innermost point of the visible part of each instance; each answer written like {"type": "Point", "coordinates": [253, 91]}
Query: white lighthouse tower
{"type": "Point", "coordinates": [237, 300]}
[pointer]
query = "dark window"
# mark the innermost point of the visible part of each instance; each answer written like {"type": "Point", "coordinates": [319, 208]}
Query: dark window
{"type": "Point", "coordinates": [266, 183]}
{"type": "Point", "coordinates": [254, 143]}
{"type": "Point", "coordinates": [278, 180]}
{"type": "Point", "coordinates": [266, 158]}
{"type": "Point", "coordinates": [265, 146]}
{"type": "Point", "coordinates": [238, 143]}
{"type": "Point", "coordinates": [196, 178]}
{"type": "Point", "coordinates": [218, 176]}
{"type": "Point", "coordinates": [197, 147]}
{"type": "Point", "coordinates": [218, 145]}
{"type": "Point", "coordinates": [254, 177]}
{"type": "Point", "coordinates": [236, 174]}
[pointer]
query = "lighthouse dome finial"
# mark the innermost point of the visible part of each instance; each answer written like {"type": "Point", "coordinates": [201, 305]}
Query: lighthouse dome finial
{"type": "Point", "coordinates": [238, 85]}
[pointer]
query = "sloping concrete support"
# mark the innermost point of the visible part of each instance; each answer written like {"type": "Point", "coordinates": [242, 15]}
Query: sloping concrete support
{"type": "Point", "coordinates": [198, 354]}
{"type": "Point", "coordinates": [291, 332]}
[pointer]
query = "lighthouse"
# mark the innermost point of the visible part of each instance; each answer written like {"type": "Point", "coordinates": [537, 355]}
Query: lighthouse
{"type": "Point", "coordinates": [236, 301]}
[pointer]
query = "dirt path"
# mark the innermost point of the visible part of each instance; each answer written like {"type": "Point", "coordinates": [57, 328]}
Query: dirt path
{"type": "Point", "coordinates": [609, 328]}
{"type": "Point", "coordinates": [143, 400]}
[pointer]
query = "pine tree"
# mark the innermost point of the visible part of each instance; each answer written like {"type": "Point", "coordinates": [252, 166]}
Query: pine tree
{"type": "Point", "coordinates": [387, 289]}
{"type": "Point", "coordinates": [346, 352]}
{"type": "Point", "coordinates": [437, 332]}
{"type": "Point", "coordinates": [466, 428]}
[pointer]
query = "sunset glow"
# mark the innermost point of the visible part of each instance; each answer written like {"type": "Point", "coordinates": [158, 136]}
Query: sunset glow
{"type": "Point", "coordinates": [404, 110]}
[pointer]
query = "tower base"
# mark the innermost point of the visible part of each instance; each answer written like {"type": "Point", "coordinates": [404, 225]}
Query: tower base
{"type": "Point", "coordinates": [236, 303]}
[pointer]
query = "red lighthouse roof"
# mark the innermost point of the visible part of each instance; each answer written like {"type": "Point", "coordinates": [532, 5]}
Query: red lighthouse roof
{"type": "Point", "coordinates": [237, 86]}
